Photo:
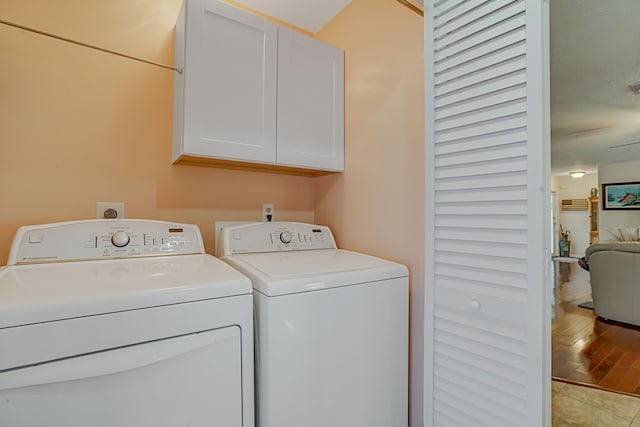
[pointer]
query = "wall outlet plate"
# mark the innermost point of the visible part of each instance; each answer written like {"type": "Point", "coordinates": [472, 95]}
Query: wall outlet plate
{"type": "Point", "coordinates": [268, 212]}
{"type": "Point", "coordinates": [102, 207]}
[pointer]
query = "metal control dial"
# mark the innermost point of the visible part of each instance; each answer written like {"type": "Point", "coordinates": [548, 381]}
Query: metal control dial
{"type": "Point", "coordinates": [285, 237]}
{"type": "Point", "coordinates": [120, 239]}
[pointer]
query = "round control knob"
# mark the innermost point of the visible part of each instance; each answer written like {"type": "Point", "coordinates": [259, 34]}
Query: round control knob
{"type": "Point", "coordinates": [120, 239]}
{"type": "Point", "coordinates": [285, 237]}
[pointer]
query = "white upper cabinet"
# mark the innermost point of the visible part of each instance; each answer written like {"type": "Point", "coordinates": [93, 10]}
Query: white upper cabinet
{"type": "Point", "coordinates": [225, 98]}
{"type": "Point", "coordinates": [310, 102]}
{"type": "Point", "coordinates": [254, 94]}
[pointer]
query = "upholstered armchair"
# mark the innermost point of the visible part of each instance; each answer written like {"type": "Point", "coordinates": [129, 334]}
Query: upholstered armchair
{"type": "Point", "coordinates": [615, 280]}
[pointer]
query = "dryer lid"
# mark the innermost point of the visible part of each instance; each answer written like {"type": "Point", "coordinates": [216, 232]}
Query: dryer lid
{"type": "Point", "coordinates": [47, 292]}
{"type": "Point", "coordinates": [281, 273]}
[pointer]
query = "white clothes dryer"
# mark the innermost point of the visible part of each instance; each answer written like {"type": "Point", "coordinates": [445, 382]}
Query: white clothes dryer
{"type": "Point", "coordinates": [331, 328]}
{"type": "Point", "coordinates": [123, 323]}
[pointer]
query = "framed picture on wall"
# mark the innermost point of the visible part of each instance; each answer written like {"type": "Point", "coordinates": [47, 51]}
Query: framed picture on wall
{"type": "Point", "coordinates": [621, 196]}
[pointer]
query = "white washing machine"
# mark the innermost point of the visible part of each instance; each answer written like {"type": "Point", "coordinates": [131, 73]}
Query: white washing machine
{"type": "Point", "coordinates": [331, 328]}
{"type": "Point", "coordinates": [123, 323]}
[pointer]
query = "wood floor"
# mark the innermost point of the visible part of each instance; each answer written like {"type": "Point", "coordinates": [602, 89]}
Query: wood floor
{"type": "Point", "coordinates": [588, 349]}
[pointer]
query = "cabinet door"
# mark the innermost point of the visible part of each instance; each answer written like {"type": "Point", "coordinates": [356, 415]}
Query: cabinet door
{"type": "Point", "coordinates": [310, 103]}
{"type": "Point", "coordinates": [230, 83]}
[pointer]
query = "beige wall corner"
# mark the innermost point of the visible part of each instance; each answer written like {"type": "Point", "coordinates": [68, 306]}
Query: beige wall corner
{"type": "Point", "coordinates": [377, 205]}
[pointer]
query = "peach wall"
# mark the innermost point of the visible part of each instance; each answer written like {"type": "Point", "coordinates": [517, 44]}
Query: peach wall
{"type": "Point", "coordinates": [377, 205]}
{"type": "Point", "coordinates": [80, 126]}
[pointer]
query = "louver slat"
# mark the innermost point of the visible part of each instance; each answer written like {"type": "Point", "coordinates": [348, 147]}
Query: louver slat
{"type": "Point", "coordinates": [461, 20]}
{"type": "Point", "coordinates": [506, 123]}
{"type": "Point", "coordinates": [490, 47]}
{"type": "Point", "coordinates": [482, 262]}
{"type": "Point", "coordinates": [481, 213]}
{"type": "Point", "coordinates": [480, 208]}
{"type": "Point", "coordinates": [451, 82]}
{"type": "Point", "coordinates": [483, 281]}
{"type": "Point", "coordinates": [478, 116]}
{"type": "Point", "coordinates": [506, 222]}
{"type": "Point", "coordinates": [507, 151]}
{"type": "Point", "coordinates": [511, 12]}
{"type": "Point", "coordinates": [488, 87]}
{"type": "Point", "coordinates": [485, 36]}
{"type": "Point", "coordinates": [456, 10]}
{"type": "Point", "coordinates": [481, 142]}
{"type": "Point", "coordinates": [504, 250]}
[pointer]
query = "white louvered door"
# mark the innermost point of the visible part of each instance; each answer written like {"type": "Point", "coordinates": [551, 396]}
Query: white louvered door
{"type": "Point", "coordinates": [487, 350]}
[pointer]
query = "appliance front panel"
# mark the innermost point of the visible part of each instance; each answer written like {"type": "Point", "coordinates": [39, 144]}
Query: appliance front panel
{"type": "Point", "coordinates": [335, 357]}
{"type": "Point", "coordinates": [140, 385]}
{"type": "Point", "coordinates": [274, 237]}
{"type": "Point", "coordinates": [103, 239]}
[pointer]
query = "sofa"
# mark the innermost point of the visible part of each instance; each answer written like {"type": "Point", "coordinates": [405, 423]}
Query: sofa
{"type": "Point", "coordinates": [615, 280]}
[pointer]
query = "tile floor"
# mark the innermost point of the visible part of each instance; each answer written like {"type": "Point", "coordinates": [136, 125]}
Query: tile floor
{"type": "Point", "coordinates": [575, 405]}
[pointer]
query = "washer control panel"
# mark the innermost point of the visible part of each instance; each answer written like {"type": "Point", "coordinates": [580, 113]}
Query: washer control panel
{"type": "Point", "coordinates": [274, 237]}
{"type": "Point", "coordinates": [103, 239]}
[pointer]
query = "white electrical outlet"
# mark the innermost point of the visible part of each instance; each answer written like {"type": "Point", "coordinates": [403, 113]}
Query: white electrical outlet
{"type": "Point", "coordinates": [268, 212]}
{"type": "Point", "coordinates": [109, 209]}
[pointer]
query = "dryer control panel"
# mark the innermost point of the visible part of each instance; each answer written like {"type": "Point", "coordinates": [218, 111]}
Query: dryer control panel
{"type": "Point", "coordinates": [103, 239]}
{"type": "Point", "coordinates": [274, 237]}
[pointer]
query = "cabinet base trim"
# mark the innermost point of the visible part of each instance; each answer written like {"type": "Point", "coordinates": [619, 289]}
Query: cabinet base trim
{"type": "Point", "coordinates": [247, 166]}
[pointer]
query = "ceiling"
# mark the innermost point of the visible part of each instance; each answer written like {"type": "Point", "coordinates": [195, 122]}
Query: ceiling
{"type": "Point", "coordinates": [310, 15]}
{"type": "Point", "coordinates": [595, 57]}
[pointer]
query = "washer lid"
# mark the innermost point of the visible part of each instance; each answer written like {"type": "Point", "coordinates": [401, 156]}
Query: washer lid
{"type": "Point", "coordinates": [47, 292]}
{"type": "Point", "coordinates": [281, 273]}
